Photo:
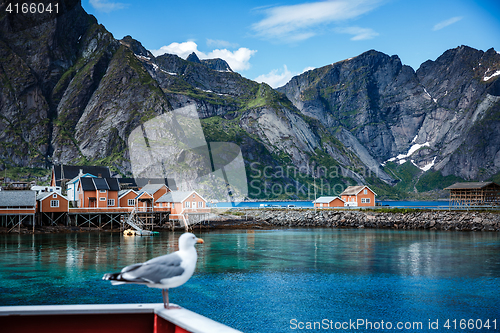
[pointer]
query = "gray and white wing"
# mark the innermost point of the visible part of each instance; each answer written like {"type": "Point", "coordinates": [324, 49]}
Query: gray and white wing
{"type": "Point", "coordinates": [154, 270]}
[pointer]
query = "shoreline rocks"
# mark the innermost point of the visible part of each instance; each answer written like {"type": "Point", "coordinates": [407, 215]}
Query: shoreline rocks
{"type": "Point", "coordinates": [308, 218]}
{"type": "Point", "coordinates": [430, 220]}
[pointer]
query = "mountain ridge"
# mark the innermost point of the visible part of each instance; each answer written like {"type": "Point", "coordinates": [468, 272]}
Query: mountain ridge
{"type": "Point", "coordinates": [408, 119]}
{"type": "Point", "coordinates": [78, 99]}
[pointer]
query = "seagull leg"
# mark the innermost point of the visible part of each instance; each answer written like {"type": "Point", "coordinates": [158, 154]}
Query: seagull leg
{"type": "Point", "coordinates": [163, 295]}
{"type": "Point", "coordinates": [167, 306]}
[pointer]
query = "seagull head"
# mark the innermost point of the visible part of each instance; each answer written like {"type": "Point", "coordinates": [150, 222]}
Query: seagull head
{"type": "Point", "coordinates": [188, 240]}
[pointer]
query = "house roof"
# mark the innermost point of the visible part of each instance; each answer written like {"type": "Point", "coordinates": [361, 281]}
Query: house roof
{"type": "Point", "coordinates": [354, 190]}
{"type": "Point", "coordinates": [72, 171]}
{"type": "Point", "coordinates": [152, 188]}
{"type": "Point", "coordinates": [145, 194]}
{"type": "Point", "coordinates": [87, 184]}
{"type": "Point", "coordinates": [127, 182]}
{"type": "Point", "coordinates": [469, 185]}
{"type": "Point", "coordinates": [141, 182]}
{"type": "Point", "coordinates": [113, 184]}
{"type": "Point", "coordinates": [74, 180]}
{"type": "Point", "coordinates": [177, 196]}
{"type": "Point", "coordinates": [45, 195]}
{"type": "Point", "coordinates": [17, 198]}
{"type": "Point", "coordinates": [92, 184]}
{"type": "Point", "coordinates": [122, 193]}
{"type": "Point", "coordinates": [100, 184]}
{"type": "Point", "coordinates": [326, 199]}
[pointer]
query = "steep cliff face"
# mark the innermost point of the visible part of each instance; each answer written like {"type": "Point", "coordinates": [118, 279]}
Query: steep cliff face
{"type": "Point", "coordinates": [373, 96]}
{"type": "Point", "coordinates": [79, 96]}
{"type": "Point", "coordinates": [401, 115]}
{"type": "Point", "coordinates": [464, 123]}
{"type": "Point", "coordinates": [35, 52]}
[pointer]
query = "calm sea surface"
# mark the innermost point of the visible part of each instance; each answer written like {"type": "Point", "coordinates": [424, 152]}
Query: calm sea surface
{"type": "Point", "coordinates": [279, 280]}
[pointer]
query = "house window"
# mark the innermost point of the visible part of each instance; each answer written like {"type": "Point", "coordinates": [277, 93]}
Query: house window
{"type": "Point", "coordinates": [102, 191]}
{"type": "Point", "coordinates": [187, 204]}
{"type": "Point", "coordinates": [365, 191]}
{"type": "Point", "coordinates": [131, 202]}
{"type": "Point", "coordinates": [172, 205]}
{"type": "Point", "coordinates": [365, 200]}
{"type": "Point", "coordinates": [193, 195]}
{"type": "Point", "coordinates": [54, 195]}
{"type": "Point", "coordinates": [102, 199]}
{"type": "Point", "coordinates": [160, 204]}
{"type": "Point", "coordinates": [200, 204]}
{"type": "Point", "coordinates": [54, 203]}
{"type": "Point", "coordinates": [111, 202]}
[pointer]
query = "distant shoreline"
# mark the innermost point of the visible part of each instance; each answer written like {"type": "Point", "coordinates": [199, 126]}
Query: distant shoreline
{"type": "Point", "coordinates": [257, 219]}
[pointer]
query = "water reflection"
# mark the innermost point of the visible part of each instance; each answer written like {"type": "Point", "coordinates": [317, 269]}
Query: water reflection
{"type": "Point", "coordinates": [331, 251]}
{"type": "Point", "coordinates": [320, 273]}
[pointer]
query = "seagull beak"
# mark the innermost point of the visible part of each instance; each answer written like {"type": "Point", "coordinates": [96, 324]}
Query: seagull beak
{"type": "Point", "coordinates": [199, 241]}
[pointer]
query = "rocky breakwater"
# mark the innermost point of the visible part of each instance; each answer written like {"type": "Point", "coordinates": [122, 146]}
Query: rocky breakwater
{"type": "Point", "coordinates": [431, 220]}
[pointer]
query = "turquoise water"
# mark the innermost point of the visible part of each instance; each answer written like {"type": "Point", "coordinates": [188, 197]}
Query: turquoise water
{"type": "Point", "coordinates": [278, 280]}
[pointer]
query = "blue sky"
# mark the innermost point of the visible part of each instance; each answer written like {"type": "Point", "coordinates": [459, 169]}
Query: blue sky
{"type": "Point", "coordinates": [272, 40]}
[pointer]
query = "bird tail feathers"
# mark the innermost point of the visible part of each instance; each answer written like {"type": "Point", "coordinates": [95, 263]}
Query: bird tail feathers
{"type": "Point", "coordinates": [112, 276]}
{"type": "Point", "coordinates": [117, 278]}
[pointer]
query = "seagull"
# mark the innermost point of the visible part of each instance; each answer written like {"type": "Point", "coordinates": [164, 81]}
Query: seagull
{"type": "Point", "coordinates": [168, 271]}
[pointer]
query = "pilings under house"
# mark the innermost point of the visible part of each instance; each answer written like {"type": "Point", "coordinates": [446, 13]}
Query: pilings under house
{"type": "Point", "coordinates": [101, 219]}
{"type": "Point", "coordinates": [474, 194]}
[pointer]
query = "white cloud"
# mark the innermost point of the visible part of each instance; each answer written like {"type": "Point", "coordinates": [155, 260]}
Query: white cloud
{"type": "Point", "coordinates": [359, 33]}
{"type": "Point", "coordinates": [183, 50]}
{"type": "Point", "coordinates": [107, 6]}
{"type": "Point", "coordinates": [447, 22]}
{"type": "Point", "coordinates": [299, 22]}
{"type": "Point", "coordinates": [238, 60]}
{"type": "Point", "coordinates": [279, 77]}
{"type": "Point", "coordinates": [276, 78]}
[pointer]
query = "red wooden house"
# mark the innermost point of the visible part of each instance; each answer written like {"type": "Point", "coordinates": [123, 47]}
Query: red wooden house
{"type": "Point", "coordinates": [17, 202]}
{"type": "Point", "coordinates": [358, 196]}
{"type": "Point", "coordinates": [63, 173]}
{"type": "Point", "coordinates": [98, 192]}
{"type": "Point", "coordinates": [52, 202]}
{"type": "Point", "coordinates": [183, 203]}
{"type": "Point", "coordinates": [326, 202]}
{"type": "Point", "coordinates": [126, 198]}
{"type": "Point", "coordinates": [16, 207]}
{"type": "Point", "coordinates": [144, 202]}
{"type": "Point", "coordinates": [155, 190]}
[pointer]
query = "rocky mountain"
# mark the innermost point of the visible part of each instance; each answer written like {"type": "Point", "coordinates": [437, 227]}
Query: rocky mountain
{"type": "Point", "coordinates": [71, 93]}
{"type": "Point", "coordinates": [443, 117]}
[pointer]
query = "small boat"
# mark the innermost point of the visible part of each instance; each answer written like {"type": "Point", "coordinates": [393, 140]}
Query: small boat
{"type": "Point", "coordinates": [110, 318]}
{"type": "Point", "coordinates": [132, 232]}
{"type": "Point", "coordinates": [145, 233]}
{"type": "Point", "coordinates": [129, 232]}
